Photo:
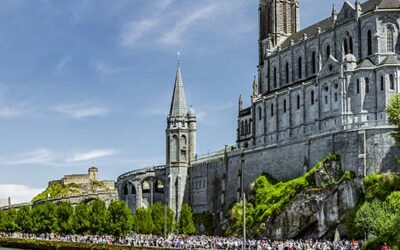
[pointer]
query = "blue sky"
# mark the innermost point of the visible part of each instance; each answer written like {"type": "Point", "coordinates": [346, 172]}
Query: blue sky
{"type": "Point", "coordinates": [86, 82]}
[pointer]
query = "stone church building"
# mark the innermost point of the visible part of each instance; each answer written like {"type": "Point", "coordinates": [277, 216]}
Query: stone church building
{"type": "Point", "coordinates": [320, 90]}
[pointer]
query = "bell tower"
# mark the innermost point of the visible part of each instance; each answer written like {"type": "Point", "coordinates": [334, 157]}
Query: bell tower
{"type": "Point", "coordinates": [180, 144]}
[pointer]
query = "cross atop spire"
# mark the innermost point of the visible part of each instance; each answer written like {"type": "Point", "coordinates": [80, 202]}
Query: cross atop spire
{"type": "Point", "coordinates": [178, 104]}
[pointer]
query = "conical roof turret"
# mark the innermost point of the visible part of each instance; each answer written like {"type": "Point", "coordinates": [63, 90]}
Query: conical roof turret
{"type": "Point", "coordinates": [178, 104]}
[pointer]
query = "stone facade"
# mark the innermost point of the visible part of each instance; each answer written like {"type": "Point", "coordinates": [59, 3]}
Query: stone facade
{"type": "Point", "coordinates": [319, 90]}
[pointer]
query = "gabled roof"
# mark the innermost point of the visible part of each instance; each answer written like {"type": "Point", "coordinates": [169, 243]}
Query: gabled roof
{"type": "Point", "coordinates": [379, 4]}
{"type": "Point", "coordinates": [391, 60]}
{"type": "Point", "coordinates": [178, 104]}
{"type": "Point", "coordinates": [365, 64]}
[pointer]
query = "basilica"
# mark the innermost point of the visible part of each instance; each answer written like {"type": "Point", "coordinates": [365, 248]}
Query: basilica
{"type": "Point", "coordinates": [320, 90]}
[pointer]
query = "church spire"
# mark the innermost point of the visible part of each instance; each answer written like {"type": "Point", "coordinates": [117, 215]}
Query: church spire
{"type": "Point", "coordinates": [178, 104]}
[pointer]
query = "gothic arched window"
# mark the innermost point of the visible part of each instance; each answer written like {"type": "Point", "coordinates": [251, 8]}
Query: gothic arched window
{"type": "Point", "coordinates": [287, 72]}
{"type": "Point", "coordinates": [366, 85]}
{"type": "Point", "coordinates": [358, 86]}
{"type": "Point", "coordinates": [275, 78]}
{"type": "Point", "coordinates": [175, 149]}
{"type": "Point", "coordinates": [390, 39]}
{"type": "Point", "coordinates": [183, 147]}
{"type": "Point", "coordinates": [345, 47]}
{"type": "Point", "coordinates": [313, 63]}
{"type": "Point", "coordinates": [369, 37]}
{"type": "Point", "coordinates": [284, 106]}
{"type": "Point", "coordinates": [272, 109]}
{"type": "Point", "coordinates": [246, 127]}
{"type": "Point", "coordinates": [133, 190]}
{"type": "Point", "coordinates": [328, 51]}
{"type": "Point", "coordinates": [126, 189]}
{"type": "Point", "coordinates": [300, 68]}
{"type": "Point", "coordinates": [382, 82]}
{"type": "Point", "coordinates": [391, 81]}
{"type": "Point", "coordinates": [298, 101]}
{"type": "Point", "coordinates": [312, 97]}
{"type": "Point", "coordinates": [242, 128]}
{"type": "Point", "coordinates": [259, 113]}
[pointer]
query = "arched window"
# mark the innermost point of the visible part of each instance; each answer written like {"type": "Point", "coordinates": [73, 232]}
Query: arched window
{"type": "Point", "coordinates": [242, 129]}
{"type": "Point", "coordinates": [287, 72]}
{"type": "Point", "coordinates": [183, 148]}
{"type": "Point", "coordinates": [275, 78]}
{"type": "Point", "coordinates": [284, 106]}
{"type": "Point", "coordinates": [312, 97]}
{"type": "Point", "coordinates": [298, 101]}
{"type": "Point", "coordinates": [366, 85]}
{"type": "Point", "coordinates": [272, 109]}
{"type": "Point", "coordinates": [390, 39]}
{"type": "Point", "coordinates": [175, 149]}
{"type": "Point", "coordinates": [391, 81]}
{"type": "Point", "coordinates": [300, 68]}
{"type": "Point", "coordinates": [369, 42]}
{"type": "Point", "coordinates": [247, 127]}
{"type": "Point", "coordinates": [382, 83]}
{"type": "Point", "coordinates": [351, 45]}
{"type": "Point", "coordinates": [345, 47]}
{"type": "Point", "coordinates": [145, 187]}
{"type": "Point", "coordinates": [133, 190]}
{"type": "Point", "coordinates": [336, 97]}
{"type": "Point", "coordinates": [358, 86]}
{"type": "Point", "coordinates": [126, 189]}
{"type": "Point", "coordinates": [259, 113]}
{"type": "Point", "coordinates": [183, 141]}
{"type": "Point", "coordinates": [328, 51]}
{"type": "Point", "coordinates": [313, 63]}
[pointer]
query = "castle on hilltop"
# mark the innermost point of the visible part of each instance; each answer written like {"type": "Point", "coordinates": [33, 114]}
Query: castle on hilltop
{"type": "Point", "coordinates": [320, 90]}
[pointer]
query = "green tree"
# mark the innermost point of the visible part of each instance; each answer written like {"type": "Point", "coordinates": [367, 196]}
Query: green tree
{"type": "Point", "coordinates": [2, 221]}
{"type": "Point", "coordinates": [44, 218]}
{"type": "Point", "coordinates": [64, 212]}
{"type": "Point", "coordinates": [393, 111]}
{"type": "Point", "coordinates": [158, 215]}
{"type": "Point", "coordinates": [186, 224]}
{"type": "Point", "coordinates": [142, 221]}
{"type": "Point", "coordinates": [120, 218]}
{"type": "Point", "coordinates": [9, 220]}
{"type": "Point", "coordinates": [98, 217]}
{"type": "Point", "coordinates": [23, 219]}
{"type": "Point", "coordinates": [80, 219]}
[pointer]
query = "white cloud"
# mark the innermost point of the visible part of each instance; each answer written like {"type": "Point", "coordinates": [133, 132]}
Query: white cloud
{"type": "Point", "coordinates": [18, 193]}
{"type": "Point", "coordinates": [61, 64]}
{"type": "Point", "coordinates": [135, 30]}
{"type": "Point", "coordinates": [94, 154]}
{"type": "Point", "coordinates": [36, 157]}
{"type": "Point", "coordinates": [11, 112]}
{"type": "Point", "coordinates": [79, 110]}
{"type": "Point", "coordinates": [106, 69]}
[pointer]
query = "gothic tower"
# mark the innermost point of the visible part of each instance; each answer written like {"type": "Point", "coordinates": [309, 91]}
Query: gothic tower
{"type": "Point", "coordinates": [181, 144]}
{"type": "Point", "coordinates": [278, 19]}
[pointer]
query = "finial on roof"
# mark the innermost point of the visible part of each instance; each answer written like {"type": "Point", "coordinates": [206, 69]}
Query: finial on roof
{"type": "Point", "coordinates": [240, 103]}
{"type": "Point", "coordinates": [178, 53]}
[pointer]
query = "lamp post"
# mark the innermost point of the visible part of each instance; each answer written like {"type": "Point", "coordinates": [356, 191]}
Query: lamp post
{"type": "Point", "coordinates": [243, 199]}
{"type": "Point", "coordinates": [166, 208]}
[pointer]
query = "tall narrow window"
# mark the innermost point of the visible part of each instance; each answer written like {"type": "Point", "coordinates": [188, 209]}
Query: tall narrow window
{"type": "Point", "coordinates": [272, 110]}
{"type": "Point", "coordinates": [328, 51]}
{"type": "Point", "coordinates": [126, 189]}
{"type": "Point", "coordinates": [369, 42]}
{"type": "Point", "coordinates": [358, 86]}
{"type": "Point", "coordinates": [242, 129]}
{"type": "Point", "coordinates": [313, 63]}
{"type": "Point", "coordinates": [391, 81]}
{"type": "Point", "coordinates": [287, 72]}
{"type": "Point", "coordinates": [326, 99]}
{"type": "Point", "coordinates": [259, 113]}
{"type": "Point", "coordinates": [390, 39]}
{"type": "Point", "coordinates": [246, 127]}
{"type": "Point", "coordinates": [175, 149]}
{"type": "Point", "coordinates": [351, 45]}
{"type": "Point", "coordinates": [284, 106]}
{"type": "Point", "coordinates": [312, 97]}
{"type": "Point", "coordinates": [345, 47]}
{"type": "Point", "coordinates": [300, 68]}
{"type": "Point", "coordinates": [336, 97]}
{"type": "Point", "coordinates": [298, 101]}
{"type": "Point", "coordinates": [367, 85]}
{"type": "Point", "coordinates": [275, 78]}
{"type": "Point", "coordinates": [382, 83]}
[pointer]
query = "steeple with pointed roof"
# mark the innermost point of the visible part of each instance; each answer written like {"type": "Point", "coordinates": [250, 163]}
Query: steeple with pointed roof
{"type": "Point", "coordinates": [178, 104]}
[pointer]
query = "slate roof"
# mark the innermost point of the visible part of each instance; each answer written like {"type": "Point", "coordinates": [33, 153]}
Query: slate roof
{"type": "Point", "coordinates": [328, 23]}
{"type": "Point", "coordinates": [391, 60]}
{"type": "Point", "coordinates": [365, 64]}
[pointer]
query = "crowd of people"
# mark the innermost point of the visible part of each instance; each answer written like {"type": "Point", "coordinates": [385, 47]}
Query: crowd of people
{"type": "Point", "coordinates": [195, 242]}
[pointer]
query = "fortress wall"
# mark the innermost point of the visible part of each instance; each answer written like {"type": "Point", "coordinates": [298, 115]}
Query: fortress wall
{"type": "Point", "coordinates": [362, 151]}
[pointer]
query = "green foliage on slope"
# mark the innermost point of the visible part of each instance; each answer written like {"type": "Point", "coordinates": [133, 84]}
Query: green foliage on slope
{"type": "Point", "coordinates": [57, 190]}
{"type": "Point", "coordinates": [270, 197]}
